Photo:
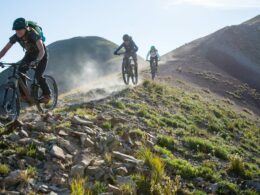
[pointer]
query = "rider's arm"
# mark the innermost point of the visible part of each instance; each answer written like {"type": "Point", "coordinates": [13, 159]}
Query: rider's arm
{"type": "Point", "coordinates": [120, 47]}
{"type": "Point", "coordinates": [5, 49]}
{"type": "Point", "coordinates": [41, 50]}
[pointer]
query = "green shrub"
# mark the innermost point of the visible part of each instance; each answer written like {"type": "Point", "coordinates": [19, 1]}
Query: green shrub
{"type": "Point", "coordinates": [166, 141]}
{"type": "Point", "coordinates": [107, 125]}
{"type": "Point", "coordinates": [225, 187]}
{"type": "Point", "coordinates": [4, 169]}
{"type": "Point", "coordinates": [77, 186]}
{"type": "Point", "coordinates": [236, 165]}
{"type": "Point", "coordinates": [154, 163]}
{"type": "Point", "coordinates": [205, 146]}
{"type": "Point", "coordinates": [183, 168]}
{"type": "Point", "coordinates": [164, 151]}
{"type": "Point", "coordinates": [118, 104]}
{"type": "Point", "coordinates": [99, 188]}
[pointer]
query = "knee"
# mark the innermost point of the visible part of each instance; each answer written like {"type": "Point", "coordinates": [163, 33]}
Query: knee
{"type": "Point", "coordinates": [39, 78]}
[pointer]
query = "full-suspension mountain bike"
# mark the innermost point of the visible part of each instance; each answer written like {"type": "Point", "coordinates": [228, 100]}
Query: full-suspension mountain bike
{"type": "Point", "coordinates": [10, 104]}
{"type": "Point", "coordinates": [129, 70]}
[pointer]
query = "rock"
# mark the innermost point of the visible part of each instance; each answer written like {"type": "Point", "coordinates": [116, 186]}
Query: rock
{"type": "Point", "coordinates": [11, 193]}
{"type": "Point", "coordinates": [199, 181]}
{"type": "Point", "coordinates": [125, 180]}
{"type": "Point", "coordinates": [40, 125]}
{"type": "Point", "coordinates": [92, 170]}
{"type": "Point", "coordinates": [43, 188]}
{"type": "Point", "coordinates": [88, 130]}
{"type": "Point", "coordinates": [126, 158]}
{"type": "Point", "coordinates": [98, 162]}
{"type": "Point", "coordinates": [58, 180]}
{"type": "Point", "coordinates": [52, 121]}
{"type": "Point", "coordinates": [24, 133]}
{"type": "Point", "coordinates": [77, 171]}
{"type": "Point", "coordinates": [77, 134]}
{"type": "Point", "coordinates": [117, 120]}
{"type": "Point", "coordinates": [214, 187]}
{"type": "Point", "coordinates": [52, 193]}
{"type": "Point", "coordinates": [21, 164]}
{"type": "Point", "coordinates": [62, 133]}
{"type": "Point", "coordinates": [96, 172]}
{"type": "Point", "coordinates": [86, 141]}
{"type": "Point", "coordinates": [29, 141]}
{"type": "Point", "coordinates": [115, 190]}
{"type": "Point", "coordinates": [67, 145]}
{"type": "Point", "coordinates": [121, 171]}
{"type": "Point", "coordinates": [253, 184]}
{"type": "Point", "coordinates": [14, 136]}
{"type": "Point", "coordinates": [62, 191]}
{"type": "Point", "coordinates": [78, 121]}
{"type": "Point", "coordinates": [57, 152]}
{"type": "Point", "coordinates": [13, 178]}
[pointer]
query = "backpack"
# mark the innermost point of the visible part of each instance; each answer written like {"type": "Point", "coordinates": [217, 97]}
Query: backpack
{"type": "Point", "coordinates": [37, 29]}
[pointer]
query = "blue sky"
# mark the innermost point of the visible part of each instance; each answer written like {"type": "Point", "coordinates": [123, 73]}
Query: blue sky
{"type": "Point", "coordinates": [166, 24]}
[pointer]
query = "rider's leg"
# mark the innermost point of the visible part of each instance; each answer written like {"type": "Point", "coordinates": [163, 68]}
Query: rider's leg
{"type": "Point", "coordinates": [39, 76]}
{"type": "Point", "coordinates": [151, 63]}
{"type": "Point", "coordinates": [125, 60]}
{"type": "Point", "coordinates": [23, 68]}
{"type": "Point", "coordinates": [156, 62]}
{"type": "Point", "coordinates": [134, 55]}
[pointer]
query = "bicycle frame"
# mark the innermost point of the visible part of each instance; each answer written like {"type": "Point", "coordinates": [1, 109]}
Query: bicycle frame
{"type": "Point", "coordinates": [15, 81]}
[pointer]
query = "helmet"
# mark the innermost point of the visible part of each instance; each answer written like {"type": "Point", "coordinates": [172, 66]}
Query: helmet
{"type": "Point", "coordinates": [19, 23]}
{"type": "Point", "coordinates": [152, 47]}
{"type": "Point", "coordinates": [126, 37]}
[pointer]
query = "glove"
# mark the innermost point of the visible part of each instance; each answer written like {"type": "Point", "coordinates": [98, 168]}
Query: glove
{"type": "Point", "coordinates": [34, 63]}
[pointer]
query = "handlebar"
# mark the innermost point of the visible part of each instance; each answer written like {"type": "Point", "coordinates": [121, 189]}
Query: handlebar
{"type": "Point", "coordinates": [3, 64]}
{"type": "Point", "coordinates": [122, 53]}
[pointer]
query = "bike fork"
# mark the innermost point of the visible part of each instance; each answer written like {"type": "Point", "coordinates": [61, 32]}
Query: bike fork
{"type": "Point", "coordinates": [4, 105]}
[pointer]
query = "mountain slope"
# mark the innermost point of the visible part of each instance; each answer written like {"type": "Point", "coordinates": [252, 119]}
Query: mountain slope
{"type": "Point", "coordinates": [226, 62]}
{"type": "Point", "coordinates": [151, 139]}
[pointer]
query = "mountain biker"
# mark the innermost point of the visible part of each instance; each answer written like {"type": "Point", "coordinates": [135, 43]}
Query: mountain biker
{"type": "Point", "coordinates": [154, 55]}
{"type": "Point", "coordinates": [35, 55]}
{"type": "Point", "coordinates": [130, 48]}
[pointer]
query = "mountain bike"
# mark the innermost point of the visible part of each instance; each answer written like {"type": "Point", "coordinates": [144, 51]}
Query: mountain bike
{"type": "Point", "coordinates": [154, 67]}
{"type": "Point", "coordinates": [129, 70]}
{"type": "Point", "coordinates": [10, 105]}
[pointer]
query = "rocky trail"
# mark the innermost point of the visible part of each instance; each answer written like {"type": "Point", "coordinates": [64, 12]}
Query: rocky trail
{"type": "Point", "coordinates": [151, 139]}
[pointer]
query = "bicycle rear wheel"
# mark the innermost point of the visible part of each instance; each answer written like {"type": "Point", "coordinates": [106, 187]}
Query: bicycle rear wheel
{"type": "Point", "coordinates": [153, 70]}
{"type": "Point", "coordinates": [10, 108]}
{"type": "Point", "coordinates": [37, 91]}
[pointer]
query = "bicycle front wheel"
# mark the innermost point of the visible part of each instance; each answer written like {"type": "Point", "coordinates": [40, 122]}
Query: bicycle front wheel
{"type": "Point", "coordinates": [10, 106]}
{"type": "Point", "coordinates": [125, 72]}
{"type": "Point", "coordinates": [153, 71]}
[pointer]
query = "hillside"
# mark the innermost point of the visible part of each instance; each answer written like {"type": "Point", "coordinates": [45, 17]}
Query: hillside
{"type": "Point", "coordinates": [226, 62]}
{"type": "Point", "coordinates": [151, 139]}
